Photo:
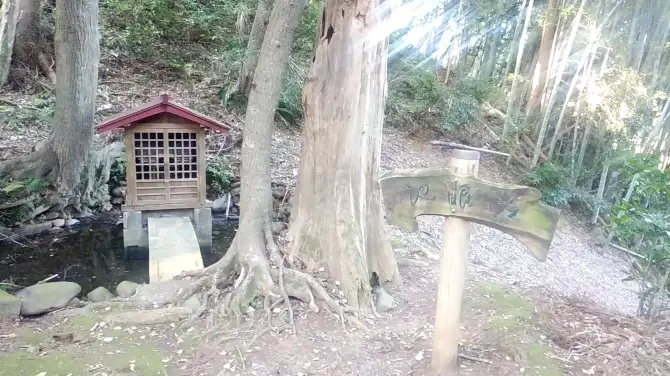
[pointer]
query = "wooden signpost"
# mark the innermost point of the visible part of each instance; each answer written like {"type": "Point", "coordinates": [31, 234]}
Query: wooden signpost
{"type": "Point", "coordinates": [461, 197]}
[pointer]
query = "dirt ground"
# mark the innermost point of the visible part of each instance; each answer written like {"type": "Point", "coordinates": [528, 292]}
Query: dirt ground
{"type": "Point", "coordinates": [504, 333]}
{"type": "Point", "coordinates": [568, 316]}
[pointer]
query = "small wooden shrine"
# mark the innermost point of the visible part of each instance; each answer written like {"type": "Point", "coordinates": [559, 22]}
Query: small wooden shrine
{"type": "Point", "coordinates": [165, 173]}
{"type": "Point", "coordinates": [165, 154]}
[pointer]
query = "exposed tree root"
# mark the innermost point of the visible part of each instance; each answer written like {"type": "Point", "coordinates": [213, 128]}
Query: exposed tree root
{"type": "Point", "coordinates": [47, 64]}
{"type": "Point", "coordinates": [228, 288]}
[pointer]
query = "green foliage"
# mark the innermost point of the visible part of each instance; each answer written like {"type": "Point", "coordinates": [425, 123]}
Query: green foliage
{"type": "Point", "coordinates": [39, 114]}
{"type": "Point", "coordinates": [416, 96]}
{"type": "Point", "coordinates": [219, 173]}
{"type": "Point", "coordinates": [14, 188]}
{"type": "Point", "coordinates": [117, 173]}
{"type": "Point", "coordinates": [149, 28]}
{"type": "Point", "coordinates": [553, 181]}
{"type": "Point", "coordinates": [646, 213]}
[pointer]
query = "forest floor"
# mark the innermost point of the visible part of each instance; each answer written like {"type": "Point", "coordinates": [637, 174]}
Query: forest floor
{"type": "Point", "coordinates": [571, 315]}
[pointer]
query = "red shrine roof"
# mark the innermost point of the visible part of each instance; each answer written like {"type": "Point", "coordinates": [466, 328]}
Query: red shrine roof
{"type": "Point", "coordinates": [159, 106]}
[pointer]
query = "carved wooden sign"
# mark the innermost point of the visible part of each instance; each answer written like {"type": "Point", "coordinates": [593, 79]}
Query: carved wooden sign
{"type": "Point", "coordinates": [513, 209]}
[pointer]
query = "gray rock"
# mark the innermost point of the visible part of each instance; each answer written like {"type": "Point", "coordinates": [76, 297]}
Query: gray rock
{"type": "Point", "coordinates": [50, 216]}
{"type": "Point", "coordinates": [6, 231]}
{"type": "Point", "coordinates": [192, 303]}
{"type": "Point", "coordinates": [39, 228]}
{"type": "Point", "coordinates": [10, 306]}
{"type": "Point", "coordinates": [119, 192]}
{"type": "Point", "coordinates": [60, 222]}
{"type": "Point", "coordinates": [383, 301]}
{"type": "Point", "coordinates": [126, 289]}
{"type": "Point", "coordinates": [71, 222]}
{"type": "Point", "coordinates": [100, 294]}
{"type": "Point", "coordinates": [117, 201]}
{"type": "Point", "coordinates": [47, 297]}
{"type": "Point", "coordinates": [160, 293]}
{"type": "Point", "coordinates": [220, 204]}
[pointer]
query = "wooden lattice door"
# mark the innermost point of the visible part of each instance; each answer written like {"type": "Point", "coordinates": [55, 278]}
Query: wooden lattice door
{"type": "Point", "coordinates": [149, 161]}
{"type": "Point", "coordinates": [183, 171]}
{"type": "Point", "coordinates": [166, 166]}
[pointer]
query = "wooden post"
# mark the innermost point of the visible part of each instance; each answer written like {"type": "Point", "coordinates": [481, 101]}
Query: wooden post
{"type": "Point", "coordinates": [452, 276]}
{"type": "Point", "coordinates": [460, 196]}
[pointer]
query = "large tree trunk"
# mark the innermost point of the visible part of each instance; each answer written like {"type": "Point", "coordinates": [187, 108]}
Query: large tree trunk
{"type": "Point", "coordinates": [542, 67]}
{"type": "Point", "coordinates": [26, 46]}
{"type": "Point", "coordinates": [78, 57]}
{"type": "Point", "coordinates": [28, 42]}
{"type": "Point", "coordinates": [338, 220]}
{"type": "Point", "coordinates": [9, 16]}
{"type": "Point", "coordinates": [252, 249]}
{"type": "Point", "coordinates": [261, 19]}
{"type": "Point", "coordinates": [256, 194]}
{"type": "Point", "coordinates": [62, 158]}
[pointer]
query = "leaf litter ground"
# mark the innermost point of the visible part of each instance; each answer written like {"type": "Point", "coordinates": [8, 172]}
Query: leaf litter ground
{"type": "Point", "coordinates": [568, 316]}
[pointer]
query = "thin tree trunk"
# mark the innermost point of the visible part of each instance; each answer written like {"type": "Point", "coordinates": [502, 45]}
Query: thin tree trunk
{"type": "Point", "coordinates": [539, 81]}
{"type": "Point", "coordinates": [582, 152]}
{"type": "Point", "coordinates": [517, 68]}
{"type": "Point", "coordinates": [659, 49]}
{"type": "Point", "coordinates": [657, 127]}
{"type": "Point", "coordinates": [564, 110]}
{"type": "Point", "coordinates": [343, 100]}
{"type": "Point", "coordinates": [656, 301]}
{"type": "Point", "coordinates": [601, 190]}
{"type": "Point", "coordinates": [632, 35]}
{"type": "Point", "coordinates": [9, 16]}
{"type": "Point", "coordinates": [552, 98]}
{"type": "Point", "coordinates": [516, 40]}
{"type": "Point", "coordinates": [260, 24]}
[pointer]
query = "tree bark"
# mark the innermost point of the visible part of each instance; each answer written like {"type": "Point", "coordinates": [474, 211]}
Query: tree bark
{"type": "Point", "coordinates": [251, 241]}
{"type": "Point", "coordinates": [78, 57]}
{"type": "Point", "coordinates": [28, 41]}
{"type": "Point", "coordinates": [601, 190]}
{"type": "Point", "coordinates": [338, 220]}
{"type": "Point", "coordinates": [583, 64]}
{"type": "Point", "coordinates": [517, 69]}
{"type": "Point", "coordinates": [258, 28]}
{"type": "Point", "coordinates": [9, 16]}
{"type": "Point", "coordinates": [559, 77]}
{"type": "Point", "coordinates": [62, 158]}
{"type": "Point", "coordinates": [542, 67]}
{"type": "Point", "coordinates": [516, 40]}
{"type": "Point", "coordinates": [632, 34]}
{"type": "Point", "coordinates": [26, 45]}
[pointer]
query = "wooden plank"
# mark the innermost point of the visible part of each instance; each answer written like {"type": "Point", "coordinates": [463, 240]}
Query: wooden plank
{"type": "Point", "coordinates": [512, 209]}
{"type": "Point", "coordinates": [164, 206]}
{"type": "Point", "coordinates": [157, 127]}
{"type": "Point", "coordinates": [173, 248]}
{"type": "Point", "coordinates": [466, 147]}
{"type": "Point", "coordinates": [202, 167]}
{"type": "Point", "coordinates": [130, 169]}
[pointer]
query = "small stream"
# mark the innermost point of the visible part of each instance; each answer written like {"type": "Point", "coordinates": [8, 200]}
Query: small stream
{"type": "Point", "coordinates": [90, 255]}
